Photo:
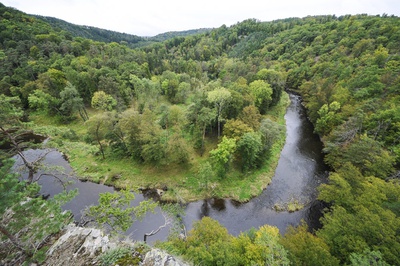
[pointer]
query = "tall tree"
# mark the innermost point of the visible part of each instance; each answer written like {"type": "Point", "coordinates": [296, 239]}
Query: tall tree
{"type": "Point", "coordinates": [262, 93]}
{"type": "Point", "coordinates": [72, 102]}
{"type": "Point", "coordinates": [248, 150]}
{"type": "Point", "coordinates": [98, 126]}
{"type": "Point", "coordinates": [219, 97]}
{"type": "Point", "coordinates": [276, 79]}
{"type": "Point", "coordinates": [222, 156]}
{"type": "Point", "coordinates": [205, 117]}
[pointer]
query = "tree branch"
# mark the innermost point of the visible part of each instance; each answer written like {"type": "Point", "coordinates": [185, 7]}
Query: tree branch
{"type": "Point", "coordinates": [167, 221]}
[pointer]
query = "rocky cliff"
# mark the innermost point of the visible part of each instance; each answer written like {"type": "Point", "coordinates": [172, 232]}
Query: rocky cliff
{"type": "Point", "coordinates": [87, 246]}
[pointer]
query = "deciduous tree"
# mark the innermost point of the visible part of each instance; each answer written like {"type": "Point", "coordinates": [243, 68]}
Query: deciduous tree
{"type": "Point", "coordinates": [222, 156]}
{"type": "Point", "coordinates": [72, 102]}
{"type": "Point", "coordinates": [248, 150]}
{"type": "Point", "coordinates": [103, 101]}
{"type": "Point", "coordinates": [262, 93]}
{"type": "Point", "coordinates": [219, 97]}
{"type": "Point", "coordinates": [98, 126]}
{"type": "Point", "coordinates": [304, 248]}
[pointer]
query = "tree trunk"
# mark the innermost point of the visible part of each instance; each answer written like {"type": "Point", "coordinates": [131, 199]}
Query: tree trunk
{"type": "Point", "coordinates": [99, 141]}
{"type": "Point", "coordinates": [14, 143]}
{"type": "Point", "coordinates": [203, 139]}
{"type": "Point", "coordinates": [219, 126]}
{"type": "Point", "coordinates": [12, 238]}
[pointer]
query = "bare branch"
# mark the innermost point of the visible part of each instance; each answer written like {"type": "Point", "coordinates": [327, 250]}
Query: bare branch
{"type": "Point", "coordinates": [56, 177]}
{"type": "Point", "coordinates": [167, 221]}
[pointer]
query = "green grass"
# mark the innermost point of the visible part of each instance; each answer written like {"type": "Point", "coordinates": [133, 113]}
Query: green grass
{"type": "Point", "coordinates": [181, 181]}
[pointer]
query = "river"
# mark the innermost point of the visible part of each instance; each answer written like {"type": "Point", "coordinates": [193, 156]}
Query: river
{"type": "Point", "coordinates": [299, 172]}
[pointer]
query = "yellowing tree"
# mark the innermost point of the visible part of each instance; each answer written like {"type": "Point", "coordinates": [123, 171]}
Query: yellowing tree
{"type": "Point", "coordinates": [103, 101]}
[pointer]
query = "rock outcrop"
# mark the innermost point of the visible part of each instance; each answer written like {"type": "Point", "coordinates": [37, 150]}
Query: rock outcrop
{"type": "Point", "coordinates": [156, 257]}
{"type": "Point", "coordinates": [83, 246]}
{"type": "Point", "coordinates": [78, 246]}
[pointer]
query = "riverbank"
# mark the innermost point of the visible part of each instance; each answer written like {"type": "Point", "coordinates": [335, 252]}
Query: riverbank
{"type": "Point", "coordinates": [175, 184]}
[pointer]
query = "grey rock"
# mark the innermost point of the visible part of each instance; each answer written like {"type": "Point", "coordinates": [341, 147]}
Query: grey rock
{"type": "Point", "coordinates": [156, 257]}
{"type": "Point", "coordinates": [78, 246]}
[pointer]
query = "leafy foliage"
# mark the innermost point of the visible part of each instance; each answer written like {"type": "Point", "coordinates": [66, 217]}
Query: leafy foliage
{"type": "Point", "coordinates": [305, 248]}
{"type": "Point", "coordinates": [115, 213]}
{"type": "Point", "coordinates": [210, 244]}
{"type": "Point", "coordinates": [228, 80]}
{"type": "Point", "coordinates": [27, 219]}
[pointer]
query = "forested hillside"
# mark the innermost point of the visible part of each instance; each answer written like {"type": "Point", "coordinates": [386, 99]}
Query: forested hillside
{"type": "Point", "coordinates": [93, 33]}
{"type": "Point", "coordinates": [203, 114]}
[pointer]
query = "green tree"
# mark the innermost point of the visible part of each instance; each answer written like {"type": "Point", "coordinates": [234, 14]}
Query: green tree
{"type": "Point", "coordinates": [304, 248]}
{"type": "Point", "coordinates": [204, 119]}
{"type": "Point", "coordinates": [183, 92]}
{"type": "Point", "coordinates": [328, 118]}
{"type": "Point", "coordinates": [262, 93]}
{"type": "Point", "coordinates": [169, 85]}
{"type": "Point", "coordinates": [23, 211]}
{"type": "Point", "coordinates": [248, 150]}
{"type": "Point", "coordinates": [176, 116]}
{"type": "Point", "coordinates": [152, 138]}
{"type": "Point", "coordinates": [368, 257]}
{"type": "Point", "coordinates": [98, 126]}
{"type": "Point", "coordinates": [235, 129]}
{"type": "Point", "coordinates": [43, 101]}
{"type": "Point", "coordinates": [276, 79]}
{"type": "Point", "coordinates": [205, 174]}
{"type": "Point", "coordinates": [219, 97]}
{"type": "Point", "coordinates": [53, 81]}
{"type": "Point", "coordinates": [129, 123]}
{"type": "Point", "coordinates": [72, 102]}
{"type": "Point", "coordinates": [177, 150]}
{"type": "Point", "coordinates": [251, 116]}
{"type": "Point", "coordinates": [103, 101]}
{"type": "Point", "coordinates": [358, 219]}
{"type": "Point", "coordinates": [208, 243]}
{"type": "Point", "coordinates": [268, 238]}
{"type": "Point", "coordinates": [115, 212]}
{"type": "Point", "coordinates": [270, 133]}
{"type": "Point", "coordinates": [222, 156]}
{"type": "Point", "coordinates": [363, 152]}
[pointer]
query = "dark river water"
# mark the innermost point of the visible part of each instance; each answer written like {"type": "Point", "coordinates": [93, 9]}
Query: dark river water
{"type": "Point", "coordinates": [299, 172]}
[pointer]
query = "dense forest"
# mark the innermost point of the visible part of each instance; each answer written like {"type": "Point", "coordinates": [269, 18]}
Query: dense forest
{"type": "Point", "coordinates": [203, 113]}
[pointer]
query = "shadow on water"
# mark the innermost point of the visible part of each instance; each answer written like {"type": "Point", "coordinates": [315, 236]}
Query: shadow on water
{"type": "Point", "coordinates": [299, 172]}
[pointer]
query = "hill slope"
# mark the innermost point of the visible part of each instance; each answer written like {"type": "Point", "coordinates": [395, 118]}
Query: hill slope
{"type": "Point", "coordinates": [201, 114]}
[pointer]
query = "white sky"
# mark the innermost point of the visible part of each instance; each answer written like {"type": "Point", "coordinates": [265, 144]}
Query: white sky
{"type": "Point", "coordinates": [151, 17]}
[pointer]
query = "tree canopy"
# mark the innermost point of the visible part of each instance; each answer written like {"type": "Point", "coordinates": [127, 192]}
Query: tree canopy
{"type": "Point", "coordinates": [208, 104]}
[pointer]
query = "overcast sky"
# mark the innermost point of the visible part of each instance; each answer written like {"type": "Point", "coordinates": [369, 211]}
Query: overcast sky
{"type": "Point", "coordinates": [151, 17]}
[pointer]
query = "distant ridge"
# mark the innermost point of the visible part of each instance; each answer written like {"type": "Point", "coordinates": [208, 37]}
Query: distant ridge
{"type": "Point", "coordinates": [89, 32]}
{"type": "Point", "coordinates": [172, 34]}
{"type": "Point", "coordinates": [103, 35]}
